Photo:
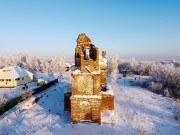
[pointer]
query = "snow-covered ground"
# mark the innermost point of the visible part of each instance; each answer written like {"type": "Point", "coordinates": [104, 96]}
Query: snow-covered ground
{"type": "Point", "coordinates": [7, 94]}
{"type": "Point", "coordinates": [137, 110]}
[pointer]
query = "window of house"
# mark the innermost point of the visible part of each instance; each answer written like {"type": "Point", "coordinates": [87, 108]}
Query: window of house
{"type": "Point", "coordinates": [17, 79]}
{"type": "Point", "coordinates": [3, 80]}
{"type": "Point", "coordinates": [23, 78]}
{"type": "Point", "coordinates": [9, 80]}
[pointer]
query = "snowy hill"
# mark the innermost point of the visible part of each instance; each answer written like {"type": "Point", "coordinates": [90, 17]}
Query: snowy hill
{"type": "Point", "coordinates": [137, 110]}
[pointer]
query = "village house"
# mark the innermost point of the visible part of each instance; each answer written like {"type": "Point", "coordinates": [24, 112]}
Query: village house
{"type": "Point", "coordinates": [14, 76]}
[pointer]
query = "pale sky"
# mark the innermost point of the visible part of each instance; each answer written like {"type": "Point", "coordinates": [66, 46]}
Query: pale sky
{"type": "Point", "coordinates": [143, 29]}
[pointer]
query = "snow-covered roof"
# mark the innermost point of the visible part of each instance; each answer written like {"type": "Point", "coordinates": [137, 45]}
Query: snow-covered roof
{"type": "Point", "coordinates": [15, 72]}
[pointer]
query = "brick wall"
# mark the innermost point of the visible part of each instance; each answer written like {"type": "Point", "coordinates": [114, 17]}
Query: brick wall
{"type": "Point", "coordinates": [107, 101]}
{"type": "Point", "coordinates": [85, 108]}
{"type": "Point", "coordinates": [85, 84]}
{"type": "Point", "coordinates": [103, 77]}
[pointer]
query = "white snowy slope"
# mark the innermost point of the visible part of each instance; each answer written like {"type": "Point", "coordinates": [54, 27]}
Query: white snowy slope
{"type": "Point", "coordinates": [7, 94]}
{"type": "Point", "coordinates": [136, 110]}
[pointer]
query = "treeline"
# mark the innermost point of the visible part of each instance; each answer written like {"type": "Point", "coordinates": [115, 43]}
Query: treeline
{"type": "Point", "coordinates": [165, 79]}
{"type": "Point", "coordinates": [164, 76]}
{"type": "Point", "coordinates": [33, 63]}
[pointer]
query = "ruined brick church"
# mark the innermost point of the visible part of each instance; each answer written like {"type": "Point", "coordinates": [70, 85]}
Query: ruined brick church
{"type": "Point", "coordinates": [90, 94]}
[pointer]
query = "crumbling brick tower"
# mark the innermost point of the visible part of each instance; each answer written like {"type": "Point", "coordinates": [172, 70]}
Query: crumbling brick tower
{"type": "Point", "coordinates": [88, 79]}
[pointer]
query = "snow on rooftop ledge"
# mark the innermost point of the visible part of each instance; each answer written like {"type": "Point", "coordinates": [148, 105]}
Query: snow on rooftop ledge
{"type": "Point", "coordinates": [77, 71]}
{"type": "Point", "coordinates": [86, 96]}
{"type": "Point", "coordinates": [96, 72]}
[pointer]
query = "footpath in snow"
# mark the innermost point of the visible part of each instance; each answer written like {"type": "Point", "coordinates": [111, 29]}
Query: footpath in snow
{"type": "Point", "coordinates": [137, 110]}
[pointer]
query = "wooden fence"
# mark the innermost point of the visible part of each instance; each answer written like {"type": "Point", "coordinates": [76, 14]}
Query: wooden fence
{"type": "Point", "coordinates": [44, 87]}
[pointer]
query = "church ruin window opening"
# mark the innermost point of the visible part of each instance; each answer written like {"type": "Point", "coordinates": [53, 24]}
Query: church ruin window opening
{"type": "Point", "coordinates": [93, 54]}
{"type": "Point", "coordinates": [87, 54]}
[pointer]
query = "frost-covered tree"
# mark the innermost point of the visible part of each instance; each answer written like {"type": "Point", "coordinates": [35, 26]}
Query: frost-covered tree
{"type": "Point", "coordinates": [144, 67]}
{"type": "Point", "coordinates": [113, 71]}
{"type": "Point", "coordinates": [128, 66]}
{"type": "Point", "coordinates": [133, 64]}
{"type": "Point", "coordinates": [168, 76]}
{"type": "Point", "coordinates": [34, 63]}
{"type": "Point", "coordinates": [123, 66]}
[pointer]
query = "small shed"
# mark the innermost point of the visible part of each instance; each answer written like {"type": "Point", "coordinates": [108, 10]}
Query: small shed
{"type": "Point", "coordinates": [41, 81]}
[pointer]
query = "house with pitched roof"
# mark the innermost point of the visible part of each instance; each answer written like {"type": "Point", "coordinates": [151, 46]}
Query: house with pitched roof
{"type": "Point", "coordinates": [14, 76]}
